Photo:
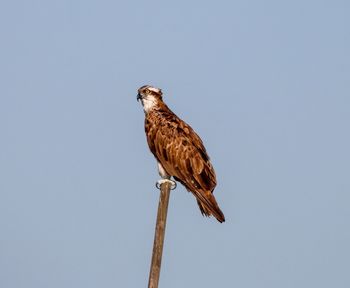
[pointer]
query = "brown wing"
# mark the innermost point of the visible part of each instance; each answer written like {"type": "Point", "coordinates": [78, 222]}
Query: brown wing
{"type": "Point", "coordinates": [182, 154]}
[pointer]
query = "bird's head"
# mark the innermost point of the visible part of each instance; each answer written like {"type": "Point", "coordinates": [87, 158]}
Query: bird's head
{"type": "Point", "coordinates": [149, 97]}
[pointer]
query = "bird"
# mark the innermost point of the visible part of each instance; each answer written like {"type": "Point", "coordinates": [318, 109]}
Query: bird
{"type": "Point", "coordinates": [179, 151]}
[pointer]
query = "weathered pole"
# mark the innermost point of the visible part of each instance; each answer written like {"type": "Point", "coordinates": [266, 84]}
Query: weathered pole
{"type": "Point", "coordinates": [159, 235]}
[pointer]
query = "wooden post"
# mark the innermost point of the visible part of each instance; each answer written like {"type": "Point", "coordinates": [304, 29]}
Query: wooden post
{"type": "Point", "coordinates": [159, 235]}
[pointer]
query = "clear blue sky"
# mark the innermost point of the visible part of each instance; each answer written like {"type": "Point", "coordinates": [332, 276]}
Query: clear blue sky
{"type": "Point", "coordinates": [265, 84]}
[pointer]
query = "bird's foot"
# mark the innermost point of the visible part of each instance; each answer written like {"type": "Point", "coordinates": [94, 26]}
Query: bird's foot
{"type": "Point", "coordinates": [162, 181]}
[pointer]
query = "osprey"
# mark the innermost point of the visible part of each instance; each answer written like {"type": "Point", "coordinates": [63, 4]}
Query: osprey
{"type": "Point", "coordinates": [179, 151]}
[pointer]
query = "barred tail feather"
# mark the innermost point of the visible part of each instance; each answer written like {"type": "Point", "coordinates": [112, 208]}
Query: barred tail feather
{"type": "Point", "coordinates": [209, 206]}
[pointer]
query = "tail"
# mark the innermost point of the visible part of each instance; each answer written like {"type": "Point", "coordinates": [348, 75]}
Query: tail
{"type": "Point", "coordinates": [208, 206]}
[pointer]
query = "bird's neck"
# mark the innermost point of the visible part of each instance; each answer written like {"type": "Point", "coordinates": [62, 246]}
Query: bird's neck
{"type": "Point", "coordinates": [153, 105]}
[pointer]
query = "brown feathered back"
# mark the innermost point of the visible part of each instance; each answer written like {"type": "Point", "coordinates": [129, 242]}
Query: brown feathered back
{"type": "Point", "coordinates": [182, 154]}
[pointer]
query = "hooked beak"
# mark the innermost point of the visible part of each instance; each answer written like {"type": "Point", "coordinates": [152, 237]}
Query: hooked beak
{"type": "Point", "coordinates": [139, 97]}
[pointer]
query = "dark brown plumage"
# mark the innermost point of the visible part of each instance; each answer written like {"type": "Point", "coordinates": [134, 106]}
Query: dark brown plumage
{"type": "Point", "coordinates": [179, 150]}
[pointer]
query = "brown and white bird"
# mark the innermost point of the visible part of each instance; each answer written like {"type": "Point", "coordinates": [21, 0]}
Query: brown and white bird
{"type": "Point", "coordinates": [179, 151]}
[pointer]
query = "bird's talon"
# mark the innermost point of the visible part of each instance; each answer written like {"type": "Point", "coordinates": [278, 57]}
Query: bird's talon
{"type": "Point", "coordinates": [173, 184]}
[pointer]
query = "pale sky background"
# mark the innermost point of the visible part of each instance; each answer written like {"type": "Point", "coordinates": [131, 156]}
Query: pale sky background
{"type": "Point", "coordinates": [265, 83]}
